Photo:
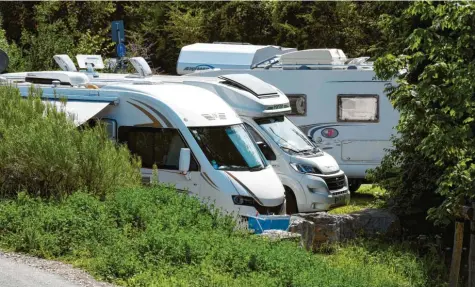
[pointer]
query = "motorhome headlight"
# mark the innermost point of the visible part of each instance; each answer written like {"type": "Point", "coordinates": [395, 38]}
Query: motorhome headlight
{"type": "Point", "coordinates": [304, 168]}
{"type": "Point", "coordinates": [243, 200]}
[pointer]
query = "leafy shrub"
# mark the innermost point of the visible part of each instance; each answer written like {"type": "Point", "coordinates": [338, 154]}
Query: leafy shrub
{"type": "Point", "coordinates": [43, 153]}
{"type": "Point", "coordinates": [158, 237]}
{"type": "Point", "coordinates": [430, 56]}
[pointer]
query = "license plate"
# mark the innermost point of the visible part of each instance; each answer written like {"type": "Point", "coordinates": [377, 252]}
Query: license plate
{"type": "Point", "coordinates": [339, 200]}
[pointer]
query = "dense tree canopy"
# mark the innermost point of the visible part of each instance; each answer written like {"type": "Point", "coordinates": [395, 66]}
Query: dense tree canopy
{"type": "Point", "coordinates": [432, 56]}
{"type": "Point", "coordinates": [35, 31]}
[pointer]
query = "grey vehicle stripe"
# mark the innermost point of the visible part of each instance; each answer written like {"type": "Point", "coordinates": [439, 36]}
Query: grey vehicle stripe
{"type": "Point", "coordinates": [209, 182]}
{"type": "Point", "coordinates": [160, 115]}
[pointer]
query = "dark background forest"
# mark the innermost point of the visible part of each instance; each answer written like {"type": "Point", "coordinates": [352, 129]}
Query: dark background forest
{"type": "Point", "coordinates": [34, 31]}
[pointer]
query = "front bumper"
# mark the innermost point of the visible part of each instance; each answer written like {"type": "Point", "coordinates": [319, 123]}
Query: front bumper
{"type": "Point", "coordinates": [319, 197]}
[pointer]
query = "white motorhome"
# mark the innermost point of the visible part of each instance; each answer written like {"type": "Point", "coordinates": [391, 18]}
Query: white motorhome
{"type": "Point", "coordinates": [312, 179]}
{"type": "Point", "coordinates": [197, 141]}
{"type": "Point", "coordinates": [336, 101]}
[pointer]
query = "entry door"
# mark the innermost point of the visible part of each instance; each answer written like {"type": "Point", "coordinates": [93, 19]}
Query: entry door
{"type": "Point", "coordinates": [364, 121]}
{"type": "Point", "coordinates": [161, 147]}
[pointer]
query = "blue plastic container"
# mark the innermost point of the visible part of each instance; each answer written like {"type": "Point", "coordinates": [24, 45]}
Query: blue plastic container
{"type": "Point", "coordinates": [261, 223]}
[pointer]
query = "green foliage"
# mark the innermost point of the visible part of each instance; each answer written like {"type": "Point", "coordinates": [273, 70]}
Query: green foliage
{"type": "Point", "coordinates": [157, 30]}
{"type": "Point", "coordinates": [43, 153]}
{"type": "Point", "coordinates": [13, 51]}
{"type": "Point", "coordinates": [58, 30]}
{"type": "Point", "coordinates": [367, 196]}
{"type": "Point", "coordinates": [158, 237]}
{"type": "Point", "coordinates": [432, 164]}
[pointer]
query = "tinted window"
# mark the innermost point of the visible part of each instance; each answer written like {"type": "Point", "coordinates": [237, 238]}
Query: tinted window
{"type": "Point", "coordinates": [155, 146]}
{"type": "Point", "coordinates": [229, 147]}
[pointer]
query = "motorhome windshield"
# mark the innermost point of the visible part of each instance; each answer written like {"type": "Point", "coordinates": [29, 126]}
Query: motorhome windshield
{"type": "Point", "coordinates": [229, 148]}
{"type": "Point", "coordinates": [289, 137]}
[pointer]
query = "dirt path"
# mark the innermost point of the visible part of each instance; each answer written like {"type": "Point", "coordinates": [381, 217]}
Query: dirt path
{"type": "Point", "coordinates": [18, 270]}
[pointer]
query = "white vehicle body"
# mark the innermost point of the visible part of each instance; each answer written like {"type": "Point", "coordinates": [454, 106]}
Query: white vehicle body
{"type": "Point", "coordinates": [198, 142]}
{"type": "Point", "coordinates": [312, 178]}
{"type": "Point", "coordinates": [336, 101]}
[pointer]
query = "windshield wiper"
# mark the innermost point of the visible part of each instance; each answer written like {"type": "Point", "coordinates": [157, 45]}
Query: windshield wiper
{"type": "Point", "coordinates": [232, 167]}
{"type": "Point", "coordinates": [291, 149]}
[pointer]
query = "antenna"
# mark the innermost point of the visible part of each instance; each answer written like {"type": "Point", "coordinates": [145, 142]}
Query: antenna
{"type": "Point", "coordinates": [90, 62]}
{"type": "Point", "coordinates": [65, 63]}
{"type": "Point", "coordinates": [4, 60]}
{"type": "Point", "coordinates": [95, 61]}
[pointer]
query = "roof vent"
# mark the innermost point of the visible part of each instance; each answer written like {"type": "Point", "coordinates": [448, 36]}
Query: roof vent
{"type": "Point", "coordinates": [64, 78]}
{"type": "Point", "coordinates": [141, 66]}
{"type": "Point", "coordinates": [65, 63]}
{"type": "Point", "coordinates": [314, 57]}
{"type": "Point", "coordinates": [250, 84]}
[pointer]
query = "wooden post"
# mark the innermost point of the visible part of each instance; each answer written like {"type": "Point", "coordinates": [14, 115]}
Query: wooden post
{"type": "Point", "coordinates": [456, 254]}
{"type": "Point", "coordinates": [471, 256]}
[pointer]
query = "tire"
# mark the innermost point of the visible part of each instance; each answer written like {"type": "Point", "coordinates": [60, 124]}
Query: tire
{"type": "Point", "coordinates": [291, 201]}
{"type": "Point", "coordinates": [354, 185]}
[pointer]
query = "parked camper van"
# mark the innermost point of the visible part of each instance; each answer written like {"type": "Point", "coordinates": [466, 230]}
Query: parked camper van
{"type": "Point", "coordinates": [312, 179]}
{"type": "Point", "coordinates": [197, 141]}
{"type": "Point", "coordinates": [334, 100]}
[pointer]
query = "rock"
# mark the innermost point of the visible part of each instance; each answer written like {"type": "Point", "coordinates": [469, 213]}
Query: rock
{"type": "Point", "coordinates": [376, 222]}
{"type": "Point", "coordinates": [305, 228]}
{"type": "Point", "coordinates": [274, 234]}
{"type": "Point", "coordinates": [321, 227]}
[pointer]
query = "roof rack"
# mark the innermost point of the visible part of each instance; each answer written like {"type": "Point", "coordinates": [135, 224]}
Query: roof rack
{"type": "Point", "coordinates": [233, 43]}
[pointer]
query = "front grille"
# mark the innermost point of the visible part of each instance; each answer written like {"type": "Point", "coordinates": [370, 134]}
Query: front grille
{"type": "Point", "coordinates": [339, 192]}
{"type": "Point", "coordinates": [268, 210]}
{"type": "Point", "coordinates": [335, 183]}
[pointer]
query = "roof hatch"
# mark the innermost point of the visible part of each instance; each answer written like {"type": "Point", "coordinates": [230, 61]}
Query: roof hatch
{"type": "Point", "coordinates": [64, 78]}
{"type": "Point", "coordinates": [251, 84]}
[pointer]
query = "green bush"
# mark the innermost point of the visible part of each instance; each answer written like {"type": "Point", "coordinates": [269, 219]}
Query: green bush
{"type": "Point", "coordinates": [43, 153]}
{"type": "Point", "coordinates": [158, 237]}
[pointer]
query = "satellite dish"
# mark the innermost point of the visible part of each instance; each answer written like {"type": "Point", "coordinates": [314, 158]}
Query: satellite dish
{"type": "Point", "coordinates": [3, 61]}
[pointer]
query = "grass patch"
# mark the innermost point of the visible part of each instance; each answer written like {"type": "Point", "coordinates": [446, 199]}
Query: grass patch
{"type": "Point", "coordinates": [367, 196]}
{"type": "Point", "coordinates": [156, 237]}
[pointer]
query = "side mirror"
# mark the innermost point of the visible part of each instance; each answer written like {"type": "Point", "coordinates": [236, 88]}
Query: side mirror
{"type": "Point", "coordinates": [266, 150]}
{"type": "Point", "coordinates": [185, 159]}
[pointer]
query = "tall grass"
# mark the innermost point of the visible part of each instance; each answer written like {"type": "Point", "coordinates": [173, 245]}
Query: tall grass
{"type": "Point", "coordinates": [157, 237]}
{"type": "Point", "coordinates": [43, 153]}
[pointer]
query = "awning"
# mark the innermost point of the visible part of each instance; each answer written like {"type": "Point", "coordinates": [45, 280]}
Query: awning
{"type": "Point", "coordinates": [81, 111]}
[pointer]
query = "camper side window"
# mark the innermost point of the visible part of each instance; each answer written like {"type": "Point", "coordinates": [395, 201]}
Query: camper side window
{"type": "Point", "coordinates": [298, 104]}
{"type": "Point", "coordinates": [358, 108]}
{"type": "Point", "coordinates": [155, 146]}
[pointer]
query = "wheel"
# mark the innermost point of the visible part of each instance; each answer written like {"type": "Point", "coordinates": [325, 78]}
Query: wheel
{"type": "Point", "coordinates": [291, 201]}
{"type": "Point", "coordinates": [354, 185]}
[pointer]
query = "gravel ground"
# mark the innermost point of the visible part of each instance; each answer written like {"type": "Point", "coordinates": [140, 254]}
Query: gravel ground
{"type": "Point", "coordinates": [18, 270]}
